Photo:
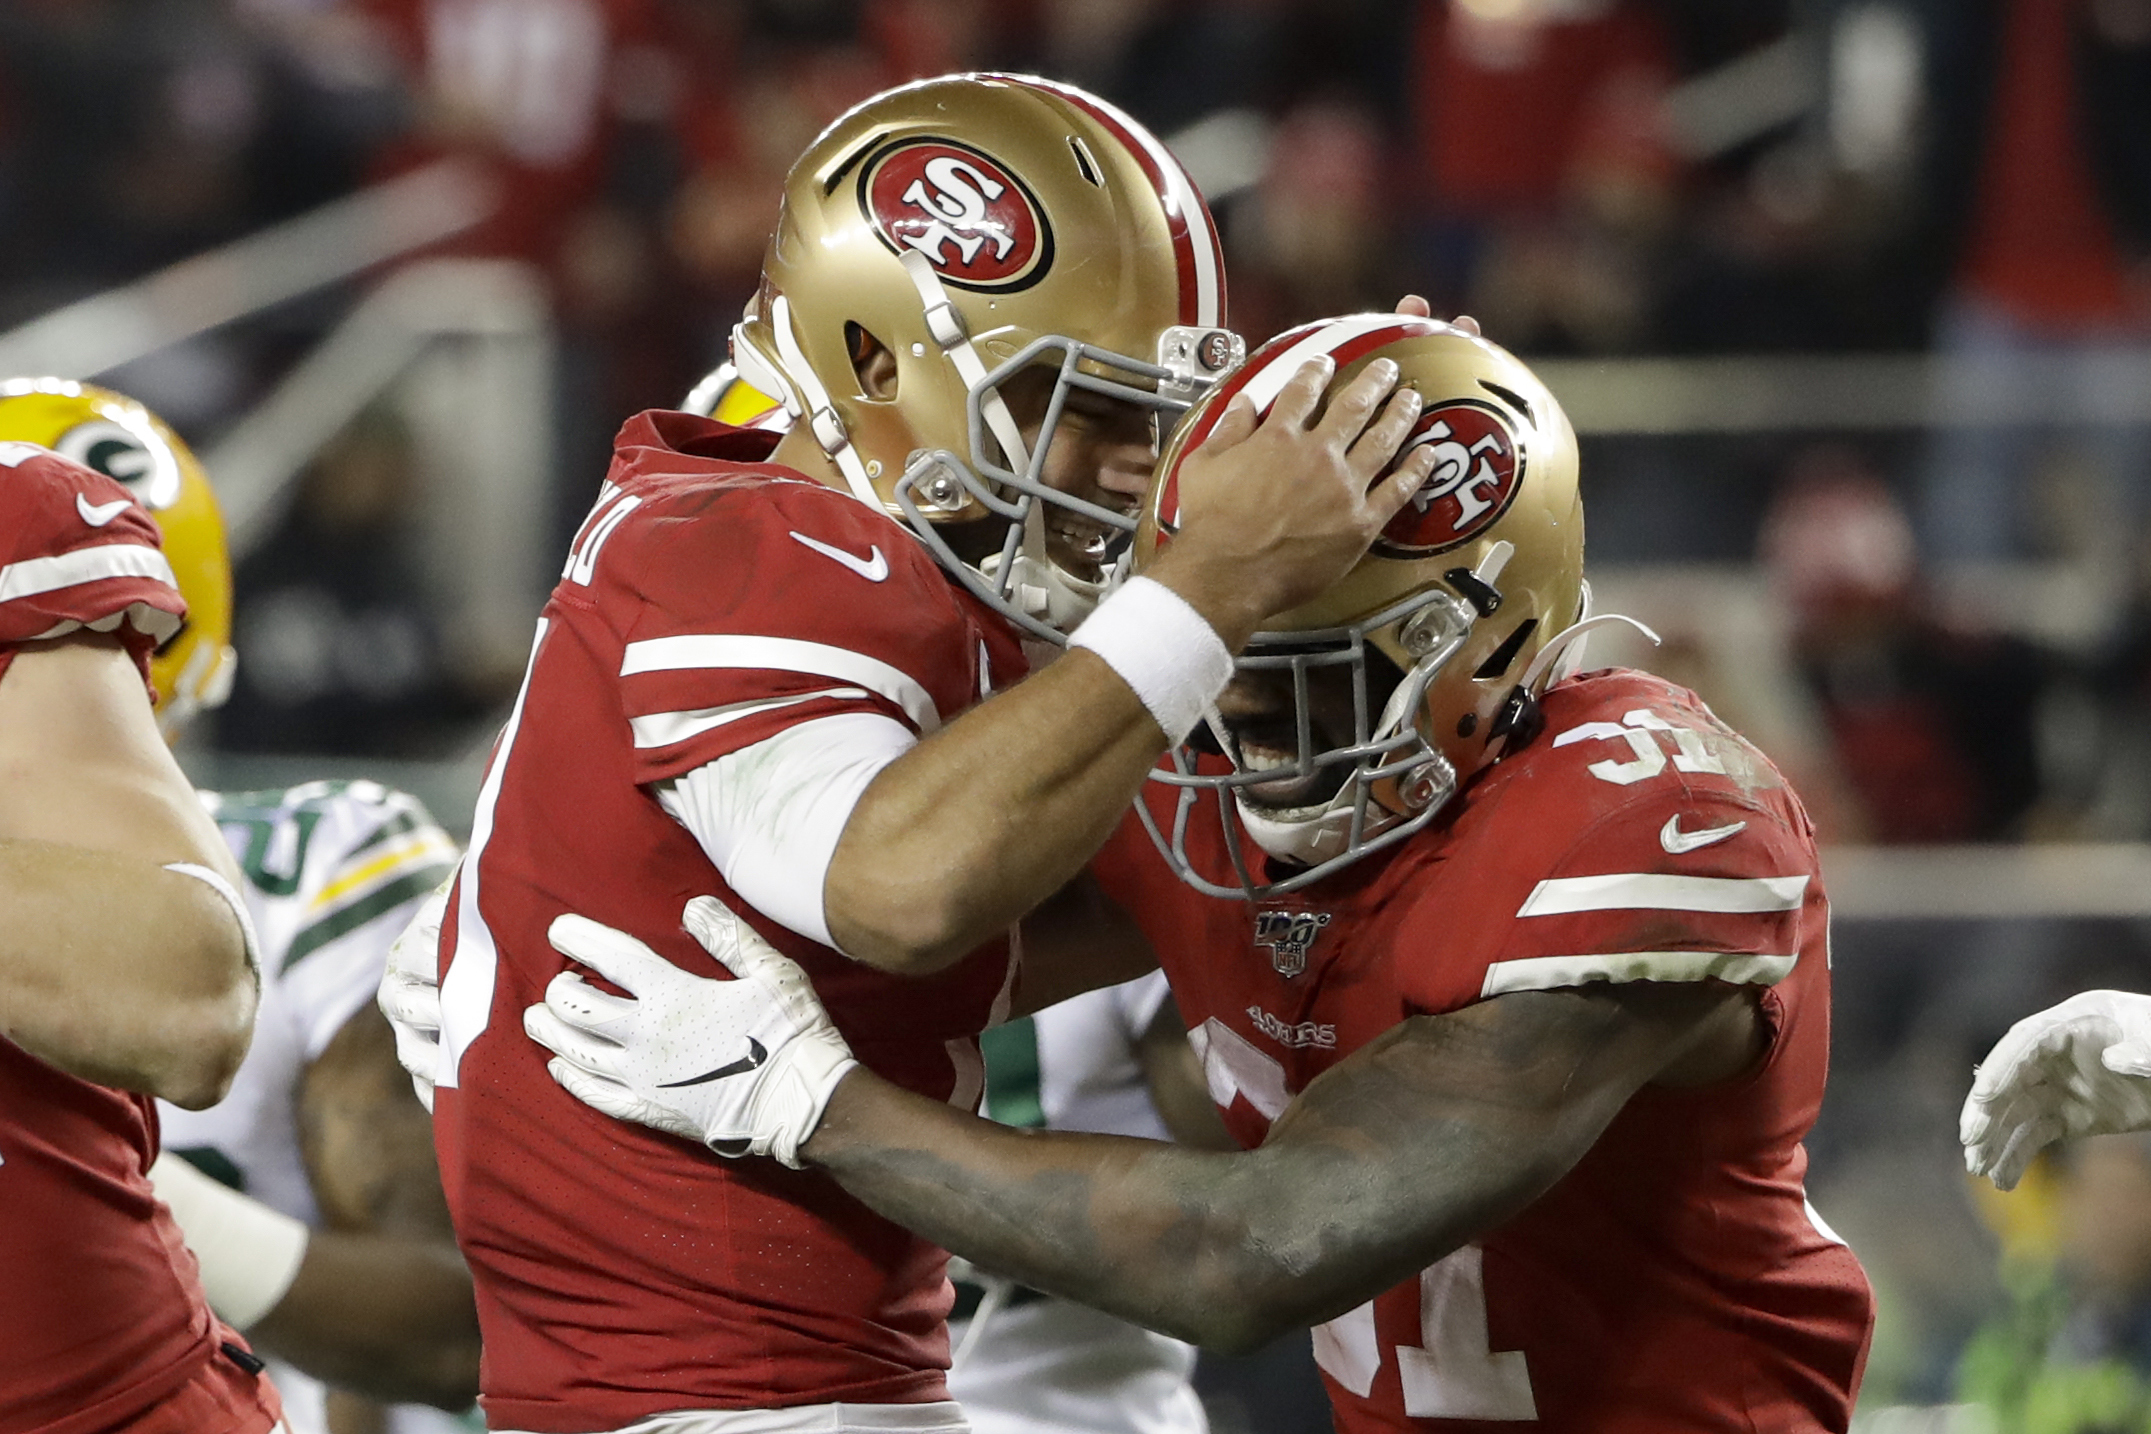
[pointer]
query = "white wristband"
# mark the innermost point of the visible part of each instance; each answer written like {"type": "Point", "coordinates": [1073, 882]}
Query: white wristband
{"type": "Point", "coordinates": [1163, 649]}
{"type": "Point", "coordinates": [232, 899]}
{"type": "Point", "coordinates": [249, 1253]}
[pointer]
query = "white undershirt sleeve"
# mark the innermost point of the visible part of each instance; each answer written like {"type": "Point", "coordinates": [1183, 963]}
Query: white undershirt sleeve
{"type": "Point", "coordinates": [768, 816]}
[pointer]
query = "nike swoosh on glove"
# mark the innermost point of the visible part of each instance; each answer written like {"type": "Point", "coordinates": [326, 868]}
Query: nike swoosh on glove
{"type": "Point", "coordinates": [2080, 1068]}
{"type": "Point", "coordinates": [744, 1066]}
{"type": "Point", "coordinates": [410, 994]}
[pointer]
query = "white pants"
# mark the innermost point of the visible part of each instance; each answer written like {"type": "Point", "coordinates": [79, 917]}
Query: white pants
{"type": "Point", "coordinates": [1051, 1367]}
{"type": "Point", "coordinates": [940, 1418]}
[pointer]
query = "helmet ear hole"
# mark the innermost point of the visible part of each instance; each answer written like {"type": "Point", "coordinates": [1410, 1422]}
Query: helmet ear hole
{"type": "Point", "coordinates": [872, 363]}
{"type": "Point", "coordinates": [1502, 658]}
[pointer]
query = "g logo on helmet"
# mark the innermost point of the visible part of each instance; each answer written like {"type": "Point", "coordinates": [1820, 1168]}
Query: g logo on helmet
{"type": "Point", "coordinates": [969, 214]}
{"type": "Point", "coordinates": [127, 452]}
{"type": "Point", "coordinates": [1477, 472]}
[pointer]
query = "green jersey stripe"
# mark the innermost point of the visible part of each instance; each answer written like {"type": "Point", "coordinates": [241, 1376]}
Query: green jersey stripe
{"type": "Point", "coordinates": [1012, 1095]}
{"type": "Point", "coordinates": [350, 918]}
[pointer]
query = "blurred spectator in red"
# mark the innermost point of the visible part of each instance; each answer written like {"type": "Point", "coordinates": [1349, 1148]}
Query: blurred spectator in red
{"type": "Point", "coordinates": [527, 89]}
{"type": "Point", "coordinates": [1933, 722]}
{"type": "Point", "coordinates": [757, 96]}
{"type": "Point", "coordinates": [2043, 171]}
{"type": "Point", "coordinates": [1543, 170]}
{"type": "Point", "coordinates": [1313, 239]}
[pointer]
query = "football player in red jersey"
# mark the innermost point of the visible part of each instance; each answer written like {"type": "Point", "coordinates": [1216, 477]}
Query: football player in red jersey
{"type": "Point", "coordinates": [761, 674]}
{"type": "Point", "coordinates": [126, 968]}
{"type": "Point", "coordinates": [1517, 991]}
{"type": "Point", "coordinates": [317, 1118]}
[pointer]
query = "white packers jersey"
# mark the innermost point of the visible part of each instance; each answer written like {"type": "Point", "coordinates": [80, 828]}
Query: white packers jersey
{"type": "Point", "coordinates": [1043, 1365]}
{"type": "Point", "coordinates": [334, 871]}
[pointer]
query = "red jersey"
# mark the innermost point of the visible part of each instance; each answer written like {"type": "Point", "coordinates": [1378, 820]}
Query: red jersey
{"type": "Point", "coordinates": [102, 1315]}
{"type": "Point", "coordinates": [710, 601]}
{"type": "Point", "coordinates": [1676, 1278]}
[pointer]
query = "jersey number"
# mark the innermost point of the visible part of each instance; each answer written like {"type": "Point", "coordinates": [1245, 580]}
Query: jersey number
{"type": "Point", "coordinates": [1691, 751]}
{"type": "Point", "coordinates": [275, 854]}
{"type": "Point", "coordinates": [1453, 1372]}
{"type": "Point", "coordinates": [605, 516]}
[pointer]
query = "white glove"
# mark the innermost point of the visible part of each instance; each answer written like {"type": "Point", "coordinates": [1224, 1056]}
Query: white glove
{"type": "Point", "coordinates": [743, 1066]}
{"type": "Point", "coordinates": [2081, 1068]}
{"type": "Point", "coordinates": [410, 994]}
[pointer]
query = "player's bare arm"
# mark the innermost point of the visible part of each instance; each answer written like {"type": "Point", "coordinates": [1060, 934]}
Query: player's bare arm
{"type": "Point", "coordinates": [1434, 1134]}
{"type": "Point", "coordinates": [1177, 1086]}
{"type": "Point", "coordinates": [112, 968]}
{"type": "Point", "coordinates": [1077, 940]}
{"type": "Point", "coordinates": [1273, 511]}
{"type": "Point", "coordinates": [382, 1304]}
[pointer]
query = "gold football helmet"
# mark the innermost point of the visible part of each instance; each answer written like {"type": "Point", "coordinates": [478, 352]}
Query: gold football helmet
{"type": "Point", "coordinates": [970, 228]}
{"type": "Point", "coordinates": [121, 439]}
{"type": "Point", "coordinates": [1448, 629]}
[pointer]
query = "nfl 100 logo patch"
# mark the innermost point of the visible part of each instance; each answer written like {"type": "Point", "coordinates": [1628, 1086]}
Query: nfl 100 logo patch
{"type": "Point", "coordinates": [1289, 935]}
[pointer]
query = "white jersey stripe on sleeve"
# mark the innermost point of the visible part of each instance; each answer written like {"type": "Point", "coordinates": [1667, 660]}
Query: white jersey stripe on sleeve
{"type": "Point", "coordinates": [32, 576]}
{"type": "Point", "coordinates": [783, 654]}
{"type": "Point", "coordinates": [1550, 973]}
{"type": "Point", "coordinates": [1648, 891]}
{"type": "Point", "coordinates": [662, 729]}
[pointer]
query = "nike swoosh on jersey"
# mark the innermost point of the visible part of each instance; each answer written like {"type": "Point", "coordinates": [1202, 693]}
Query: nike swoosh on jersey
{"type": "Point", "coordinates": [757, 1056]}
{"type": "Point", "coordinates": [873, 569]}
{"type": "Point", "coordinates": [1676, 841]}
{"type": "Point", "coordinates": [99, 514]}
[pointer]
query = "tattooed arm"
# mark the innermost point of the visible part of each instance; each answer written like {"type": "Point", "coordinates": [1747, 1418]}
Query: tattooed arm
{"type": "Point", "coordinates": [1436, 1132]}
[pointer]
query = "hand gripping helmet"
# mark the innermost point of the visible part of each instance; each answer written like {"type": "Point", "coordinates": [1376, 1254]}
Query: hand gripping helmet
{"type": "Point", "coordinates": [1447, 630]}
{"type": "Point", "coordinates": [975, 226]}
{"type": "Point", "coordinates": [124, 441]}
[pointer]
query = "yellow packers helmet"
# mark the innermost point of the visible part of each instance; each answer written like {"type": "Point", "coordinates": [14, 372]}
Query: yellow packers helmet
{"type": "Point", "coordinates": [1449, 627]}
{"type": "Point", "coordinates": [124, 441]}
{"type": "Point", "coordinates": [975, 226]}
{"type": "Point", "coordinates": [723, 395]}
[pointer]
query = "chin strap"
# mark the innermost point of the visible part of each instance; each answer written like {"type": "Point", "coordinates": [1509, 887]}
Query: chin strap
{"type": "Point", "coordinates": [1045, 590]}
{"type": "Point", "coordinates": [947, 327]}
{"type": "Point", "coordinates": [793, 380]}
{"type": "Point", "coordinates": [1562, 656]}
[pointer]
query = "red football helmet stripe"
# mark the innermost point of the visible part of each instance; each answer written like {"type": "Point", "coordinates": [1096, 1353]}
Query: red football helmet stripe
{"type": "Point", "coordinates": [1195, 242]}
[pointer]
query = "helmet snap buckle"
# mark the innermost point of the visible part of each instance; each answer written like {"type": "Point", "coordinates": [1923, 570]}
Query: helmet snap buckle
{"type": "Point", "coordinates": [931, 472]}
{"type": "Point", "coordinates": [1442, 622]}
{"type": "Point", "coordinates": [1427, 783]}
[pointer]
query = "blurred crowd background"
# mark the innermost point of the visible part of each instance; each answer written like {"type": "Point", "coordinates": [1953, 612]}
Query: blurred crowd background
{"type": "Point", "coordinates": [1850, 299]}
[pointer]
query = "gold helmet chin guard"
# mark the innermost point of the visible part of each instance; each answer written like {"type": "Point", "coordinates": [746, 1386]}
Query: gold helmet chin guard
{"type": "Point", "coordinates": [193, 670]}
{"type": "Point", "coordinates": [1472, 598]}
{"type": "Point", "coordinates": [975, 227]}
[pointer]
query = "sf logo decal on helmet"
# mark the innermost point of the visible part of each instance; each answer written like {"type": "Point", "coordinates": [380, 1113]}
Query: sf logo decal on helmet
{"type": "Point", "coordinates": [967, 213]}
{"type": "Point", "coordinates": [1477, 472]}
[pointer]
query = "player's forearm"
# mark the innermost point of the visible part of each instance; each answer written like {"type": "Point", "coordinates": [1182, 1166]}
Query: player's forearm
{"type": "Point", "coordinates": [1433, 1135]}
{"type": "Point", "coordinates": [958, 838]}
{"type": "Point", "coordinates": [390, 1317]}
{"type": "Point", "coordinates": [122, 973]}
{"type": "Point", "coordinates": [1228, 1251]}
